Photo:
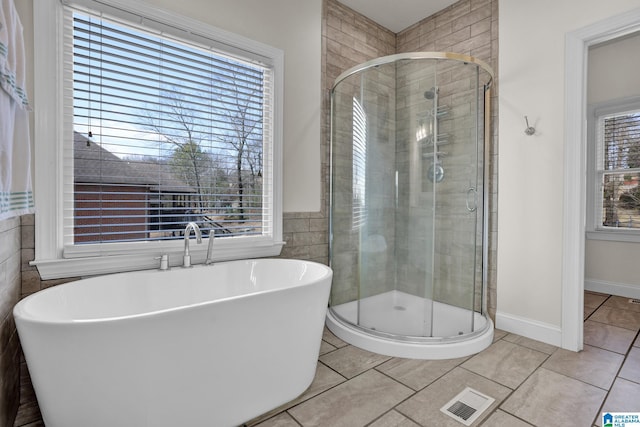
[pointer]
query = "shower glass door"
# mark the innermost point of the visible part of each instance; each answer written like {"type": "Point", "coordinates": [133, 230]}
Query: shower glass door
{"type": "Point", "coordinates": [437, 157]}
{"type": "Point", "coordinates": [363, 196]}
{"type": "Point", "coordinates": [420, 169]}
{"type": "Point", "coordinates": [457, 201]}
{"type": "Point", "coordinates": [374, 196]}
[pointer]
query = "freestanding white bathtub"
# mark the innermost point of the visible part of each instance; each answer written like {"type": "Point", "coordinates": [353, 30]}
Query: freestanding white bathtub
{"type": "Point", "coordinates": [203, 346]}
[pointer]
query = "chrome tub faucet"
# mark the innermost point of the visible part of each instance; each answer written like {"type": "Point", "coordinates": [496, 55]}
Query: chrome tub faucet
{"type": "Point", "coordinates": [186, 259]}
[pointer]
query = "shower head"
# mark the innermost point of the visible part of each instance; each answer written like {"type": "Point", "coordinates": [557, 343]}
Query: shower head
{"type": "Point", "coordinates": [431, 93]}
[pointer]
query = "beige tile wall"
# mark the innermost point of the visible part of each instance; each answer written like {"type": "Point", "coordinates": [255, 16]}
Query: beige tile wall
{"type": "Point", "coordinates": [9, 295]}
{"type": "Point", "coordinates": [467, 27]}
{"type": "Point", "coordinates": [31, 281]}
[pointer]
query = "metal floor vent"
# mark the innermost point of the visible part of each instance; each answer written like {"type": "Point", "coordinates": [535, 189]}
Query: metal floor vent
{"type": "Point", "coordinates": [467, 406]}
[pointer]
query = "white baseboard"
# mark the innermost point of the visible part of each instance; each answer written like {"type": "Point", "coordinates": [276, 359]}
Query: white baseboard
{"type": "Point", "coordinates": [620, 289]}
{"type": "Point", "coordinates": [540, 331]}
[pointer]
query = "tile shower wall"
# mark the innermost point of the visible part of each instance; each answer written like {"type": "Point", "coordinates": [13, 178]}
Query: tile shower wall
{"type": "Point", "coordinates": [468, 27]}
{"type": "Point", "coordinates": [9, 295]}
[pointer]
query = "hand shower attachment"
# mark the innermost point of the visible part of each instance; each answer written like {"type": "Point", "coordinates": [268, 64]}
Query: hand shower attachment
{"type": "Point", "coordinates": [436, 171]}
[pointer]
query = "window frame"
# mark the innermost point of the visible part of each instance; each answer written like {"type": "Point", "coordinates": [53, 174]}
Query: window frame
{"type": "Point", "coordinates": [49, 129]}
{"type": "Point", "coordinates": [594, 230]}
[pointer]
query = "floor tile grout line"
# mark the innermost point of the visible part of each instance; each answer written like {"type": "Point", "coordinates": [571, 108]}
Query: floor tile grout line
{"type": "Point", "coordinates": [498, 408]}
{"type": "Point", "coordinates": [385, 413]}
{"type": "Point", "coordinates": [406, 415]}
{"type": "Point", "coordinates": [601, 408]}
{"type": "Point", "coordinates": [359, 373]}
{"type": "Point", "coordinates": [604, 305]}
{"type": "Point", "coordinates": [422, 388]}
{"type": "Point", "coordinates": [611, 324]}
{"type": "Point", "coordinates": [398, 381]}
{"type": "Point", "coordinates": [626, 356]}
{"type": "Point", "coordinates": [291, 415]}
{"type": "Point", "coordinates": [330, 368]}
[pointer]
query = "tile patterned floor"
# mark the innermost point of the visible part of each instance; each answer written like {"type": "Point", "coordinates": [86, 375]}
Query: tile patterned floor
{"type": "Point", "coordinates": [534, 384]}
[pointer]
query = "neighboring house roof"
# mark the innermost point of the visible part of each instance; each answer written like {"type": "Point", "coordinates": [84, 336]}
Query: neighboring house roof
{"type": "Point", "coordinates": [95, 164]}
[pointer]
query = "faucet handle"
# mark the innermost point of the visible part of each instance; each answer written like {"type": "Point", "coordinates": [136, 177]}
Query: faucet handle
{"type": "Point", "coordinates": [164, 261]}
{"type": "Point", "coordinates": [186, 261]}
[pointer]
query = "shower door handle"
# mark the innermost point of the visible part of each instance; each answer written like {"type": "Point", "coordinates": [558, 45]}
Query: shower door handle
{"type": "Point", "coordinates": [473, 205]}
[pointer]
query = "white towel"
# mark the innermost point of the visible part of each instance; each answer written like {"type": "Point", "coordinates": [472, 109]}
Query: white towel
{"type": "Point", "coordinates": [16, 197]}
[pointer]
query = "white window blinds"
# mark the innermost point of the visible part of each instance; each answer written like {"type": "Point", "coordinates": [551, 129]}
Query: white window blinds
{"type": "Point", "coordinates": [359, 164]}
{"type": "Point", "coordinates": [618, 169]}
{"type": "Point", "coordinates": [163, 132]}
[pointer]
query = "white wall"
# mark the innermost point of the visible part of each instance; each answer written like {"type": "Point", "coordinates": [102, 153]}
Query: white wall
{"type": "Point", "coordinates": [613, 74]}
{"type": "Point", "coordinates": [531, 168]}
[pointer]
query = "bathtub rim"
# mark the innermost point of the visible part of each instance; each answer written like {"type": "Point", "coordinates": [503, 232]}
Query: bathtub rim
{"type": "Point", "coordinates": [21, 315]}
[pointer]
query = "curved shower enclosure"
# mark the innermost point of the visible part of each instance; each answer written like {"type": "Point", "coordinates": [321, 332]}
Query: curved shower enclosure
{"type": "Point", "coordinates": [408, 211]}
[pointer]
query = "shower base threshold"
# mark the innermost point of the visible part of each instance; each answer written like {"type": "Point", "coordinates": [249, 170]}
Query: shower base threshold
{"type": "Point", "coordinates": [394, 318]}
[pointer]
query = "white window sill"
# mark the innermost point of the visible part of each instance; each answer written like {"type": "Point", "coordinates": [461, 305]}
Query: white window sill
{"type": "Point", "coordinates": [614, 235]}
{"type": "Point", "coordinates": [145, 260]}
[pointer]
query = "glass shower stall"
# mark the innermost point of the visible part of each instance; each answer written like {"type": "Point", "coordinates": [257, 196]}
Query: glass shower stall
{"type": "Point", "coordinates": [408, 211]}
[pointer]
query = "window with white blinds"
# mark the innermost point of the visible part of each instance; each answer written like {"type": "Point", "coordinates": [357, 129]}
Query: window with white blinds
{"type": "Point", "coordinates": [164, 131]}
{"type": "Point", "coordinates": [618, 170]}
{"type": "Point", "coordinates": [148, 120]}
